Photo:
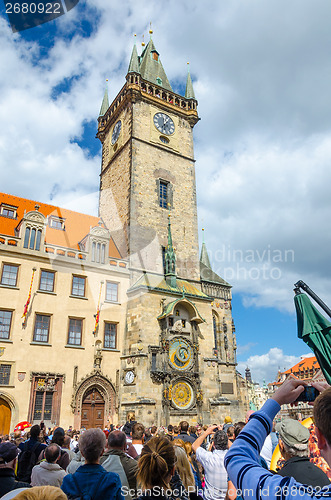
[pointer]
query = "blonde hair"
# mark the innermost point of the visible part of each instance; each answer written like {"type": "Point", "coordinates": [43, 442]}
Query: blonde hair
{"type": "Point", "coordinates": [178, 442]}
{"type": "Point", "coordinates": [42, 493]}
{"type": "Point", "coordinates": [155, 463]}
{"type": "Point", "coordinates": [183, 468]}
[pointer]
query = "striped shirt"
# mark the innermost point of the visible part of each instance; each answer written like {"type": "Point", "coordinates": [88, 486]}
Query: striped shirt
{"type": "Point", "coordinates": [216, 478]}
{"type": "Point", "coordinates": [252, 481]}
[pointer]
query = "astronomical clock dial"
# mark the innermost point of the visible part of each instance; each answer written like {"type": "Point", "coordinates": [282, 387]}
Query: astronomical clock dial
{"type": "Point", "coordinates": [182, 395]}
{"type": "Point", "coordinates": [129, 377]}
{"type": "Point", "coordinates": [180, 354]}
{"type": "Point", "coordinates": [164, 123]}
{"type": "Point", "coordinates": [116, 131]}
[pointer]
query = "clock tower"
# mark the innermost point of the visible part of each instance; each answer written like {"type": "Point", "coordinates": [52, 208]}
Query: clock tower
{"type": "Point", "coordinates": [148, 167]}
{"type": "Point", "coordinates": [178, 360]}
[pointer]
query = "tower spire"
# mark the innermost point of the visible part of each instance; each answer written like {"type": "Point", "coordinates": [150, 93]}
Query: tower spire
{"type": "Point", "coordinates": [189, 92]}
{"type": "Point", "coordinates": [170, 259]}
{"type": "Point", "coordinates": [134, 62]}
{"type": "Point", "coordinates": [105, 101]}
{"type": "Point", "coordinates": [204, 257]}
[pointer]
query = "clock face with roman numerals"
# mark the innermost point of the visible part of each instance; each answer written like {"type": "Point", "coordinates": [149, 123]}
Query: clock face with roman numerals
{"type": "Point", "coordinates": [164, 123]}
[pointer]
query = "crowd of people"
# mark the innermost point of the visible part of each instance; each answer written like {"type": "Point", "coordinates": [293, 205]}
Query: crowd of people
{"type": "Point", "coordinates": [225, 461]}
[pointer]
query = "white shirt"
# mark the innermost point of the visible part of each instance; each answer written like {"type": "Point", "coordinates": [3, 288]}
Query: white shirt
{"type": "Point", "coordinates": [216, 477]}
{"type": "Point", "coordinates": [138, 447]}
{"type": "Point", "coordinates": [266, 451]}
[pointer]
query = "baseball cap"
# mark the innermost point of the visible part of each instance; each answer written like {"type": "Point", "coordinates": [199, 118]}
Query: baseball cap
{"type": "Point", "coordinates": [227, 420]}
{"type": "Point", "coordinates": [8, 451]}
{"type": "Point", "coordinates": [60, 431]}
{"type": "Point", "coordinates": [292, 432]}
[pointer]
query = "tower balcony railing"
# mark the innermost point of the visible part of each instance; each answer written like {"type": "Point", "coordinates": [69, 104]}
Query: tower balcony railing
{"type": "Point", "coordinates": [154, 90]}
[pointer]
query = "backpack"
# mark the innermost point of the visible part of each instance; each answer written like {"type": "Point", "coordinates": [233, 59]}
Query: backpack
{"type": "Point", "coordinates": [26, 461]}
{"type": "Point", "coordinates": [90, 494]}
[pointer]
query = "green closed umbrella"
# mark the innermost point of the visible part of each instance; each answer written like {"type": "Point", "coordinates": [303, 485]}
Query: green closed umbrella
{"type": "Point", "coordinates": [315, 330]}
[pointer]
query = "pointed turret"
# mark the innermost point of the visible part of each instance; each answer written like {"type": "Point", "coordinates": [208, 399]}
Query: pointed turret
{"type": "Point", "coordinates": [170, 259]}
{"type": "Point", "coordinates": [189, 92]}
{"type": "Point", "coordinates": [204, 258]}
{"type": "Point", "coordinates": [151, 68]}
{"type": "Point", "coordinates": [105, 103]}
{"type": "Point", "coordinates": [134, 61]}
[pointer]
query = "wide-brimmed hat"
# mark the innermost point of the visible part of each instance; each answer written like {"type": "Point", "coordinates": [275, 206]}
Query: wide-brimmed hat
{"type": "Point", "coordinates": [292, 432]}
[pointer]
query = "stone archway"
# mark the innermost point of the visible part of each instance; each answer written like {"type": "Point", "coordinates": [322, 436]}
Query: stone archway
{"type": "Point", "coordinates": [8, 413]}
{"type": "Point", "coordinates": [95, 396]}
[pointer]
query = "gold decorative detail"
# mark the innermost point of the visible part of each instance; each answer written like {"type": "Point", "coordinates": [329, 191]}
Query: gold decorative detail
{"type": "Point", "coordinates": [182, 395]}
{"type": "Point", "coordinates": [180, 354]}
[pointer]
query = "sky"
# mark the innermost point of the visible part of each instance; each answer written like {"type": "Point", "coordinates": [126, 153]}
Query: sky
{"type": "Point", "coordinates": [261, 73]}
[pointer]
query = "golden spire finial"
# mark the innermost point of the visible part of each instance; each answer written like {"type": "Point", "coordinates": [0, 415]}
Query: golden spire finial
{"type": "Point", "coordinates": [150, 29]}
{"type": "Point", "coordinates": [143, 42]}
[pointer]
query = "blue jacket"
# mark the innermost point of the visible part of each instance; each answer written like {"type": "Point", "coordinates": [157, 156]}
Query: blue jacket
{"type": "Point", "coordinates": [252, 481]}
{"type": "Point", "coordinates": [87, 476]}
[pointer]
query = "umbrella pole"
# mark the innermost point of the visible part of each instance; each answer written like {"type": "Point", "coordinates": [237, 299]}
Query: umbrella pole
{"type": "Point", "coordinates": [305, 287]}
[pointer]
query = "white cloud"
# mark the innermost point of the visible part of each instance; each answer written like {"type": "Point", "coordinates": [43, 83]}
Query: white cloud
{"type": "Point", "coordinates": [265, 367]}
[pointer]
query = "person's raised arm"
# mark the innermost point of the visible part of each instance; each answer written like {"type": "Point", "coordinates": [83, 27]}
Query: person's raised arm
{"type": "Point", "coordinates": [198, 442]}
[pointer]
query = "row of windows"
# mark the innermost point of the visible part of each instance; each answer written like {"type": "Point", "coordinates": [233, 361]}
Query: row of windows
{"type": "Point", "coordinates": [9, 277]}
{"type": "Point", "coordinates": [42, 324]}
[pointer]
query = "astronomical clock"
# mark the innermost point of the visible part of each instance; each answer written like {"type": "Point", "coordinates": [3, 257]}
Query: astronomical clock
{"type": "Point", "coordinates": [175, 361]}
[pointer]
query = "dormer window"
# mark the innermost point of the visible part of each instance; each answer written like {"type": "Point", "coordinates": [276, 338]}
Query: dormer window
{"type": "Point", "coordinates": [56, 223]}
{"type": "Point", "coordinates": [98, 252]}
{"type": "Point", "coordinates": [155, 55]}
{"type": "Point", "coordinates": [8, 211]}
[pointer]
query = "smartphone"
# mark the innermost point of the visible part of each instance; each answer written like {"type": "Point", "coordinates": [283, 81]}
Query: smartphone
{"type": "Point", "coordinates": [308, 395]}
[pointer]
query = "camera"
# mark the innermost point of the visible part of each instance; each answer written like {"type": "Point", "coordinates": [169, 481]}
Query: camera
{"type": "Point", "coordinates": [308, 395]}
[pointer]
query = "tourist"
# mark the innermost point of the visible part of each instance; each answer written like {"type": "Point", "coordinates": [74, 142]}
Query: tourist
{"type": "Point", "coordinates": [30, 451]}
{"type": "Point", "coordinates": [137, 435]}
{"type": "Point", "coordinates": [184, 469]}
{"type": "Point", "coordinates": [216, 480]}
{"type": "Point", "coordinates": [184, 426]}
{"type": "Point", "coordinates": [58, 438]}
{"type": "Point", "coordinates": [48, 472]}
{"type": "Point", "coordinates": [156, 467]}
{"type": "Point", "coordinates": [8, 459]}
{"type": "Point", "coordinates": [115, 459]}
{"type": "Point", "coordinates": [92, 479]}
{"type": "Point", "coordinates": [66, 447]}
{"type": "Point", "coordinates": [41, 493]}
{"type": "Point", "coordinates": [293, 445]}
{"type": "Point", "coordinates": [242, 460]}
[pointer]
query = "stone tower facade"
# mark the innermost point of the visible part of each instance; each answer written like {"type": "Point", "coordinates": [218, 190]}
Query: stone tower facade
{"type": "Point", "coordinates": [148, 168]}
{"type": "Point", "coordinates": [178, 360]}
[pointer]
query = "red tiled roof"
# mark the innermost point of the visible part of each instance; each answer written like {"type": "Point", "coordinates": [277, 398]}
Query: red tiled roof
{"type": "Point", "coordinates": [304, 364]}
{"type": "Point", "coordinates": [77, 225]}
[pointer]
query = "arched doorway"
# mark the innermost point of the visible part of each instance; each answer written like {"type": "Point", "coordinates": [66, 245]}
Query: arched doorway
{"type": "Point", "coordinates": [93, 409]}
{"type": "Point", "coordinates": [5, 417]}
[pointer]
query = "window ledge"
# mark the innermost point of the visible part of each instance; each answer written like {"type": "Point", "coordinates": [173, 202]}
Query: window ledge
{"type": "Point", "coordinates": [110, 349]}
{"type": "Point", "coordinates": [6, 340]}
{"type": "Point", "coordinates": [78, 297]}
{"type": "Point", "coordinates": [112, 302]}
{"type": "Point", "coordinates": [9, 286]}
{"type": "Point", "coordinates": [8, 386]}
{"type": "Point", "coordinates": [34, 342]}
{"type": "Point", "coordinates": [46, 291]}
{"type": "Point", "coordinates": [72, 346]}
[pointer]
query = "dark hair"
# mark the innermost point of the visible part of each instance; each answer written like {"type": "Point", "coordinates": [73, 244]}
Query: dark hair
{"type": "Point", "coordinates": [230, 431]}
{"type": "Point", "coordinates": [321, 412]}
{"type": "Point", "coordinates": [35, 431]}
{"type": "Point", "coordinates": [52, 453]}
{"type": "Point", "coordinates": [58, 438]}
{"type": "Point", "coordinates": [238, 427]}
{"type": "Point", "coordinates": [220, 440]}
{"type": "Point", "coordinates": [155, 463]}
{"type": "Point", "coordinates": [138, 431]}
{"type": "Point", "coordinates": [192, 429]}
{"type": "Point", "coordinates": [117, 439]}
{"type": "Point", "coordinates": [170, 428]}
{"type": "Point", "coordinates": [176, 429]}
{"type": "Point", "coordinates": [153, 429]}
{"type": "Point", "coordinates": [184, 426]}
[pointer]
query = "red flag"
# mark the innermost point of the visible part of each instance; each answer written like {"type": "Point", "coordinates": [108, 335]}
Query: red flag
{"type": "Point", "coordinates": [26, 307]}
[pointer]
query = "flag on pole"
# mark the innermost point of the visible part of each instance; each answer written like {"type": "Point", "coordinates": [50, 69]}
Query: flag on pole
{"type": "Point", "coordinates": [26, 307]}
{"type": "Point", "coordinates": [97, 315]}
